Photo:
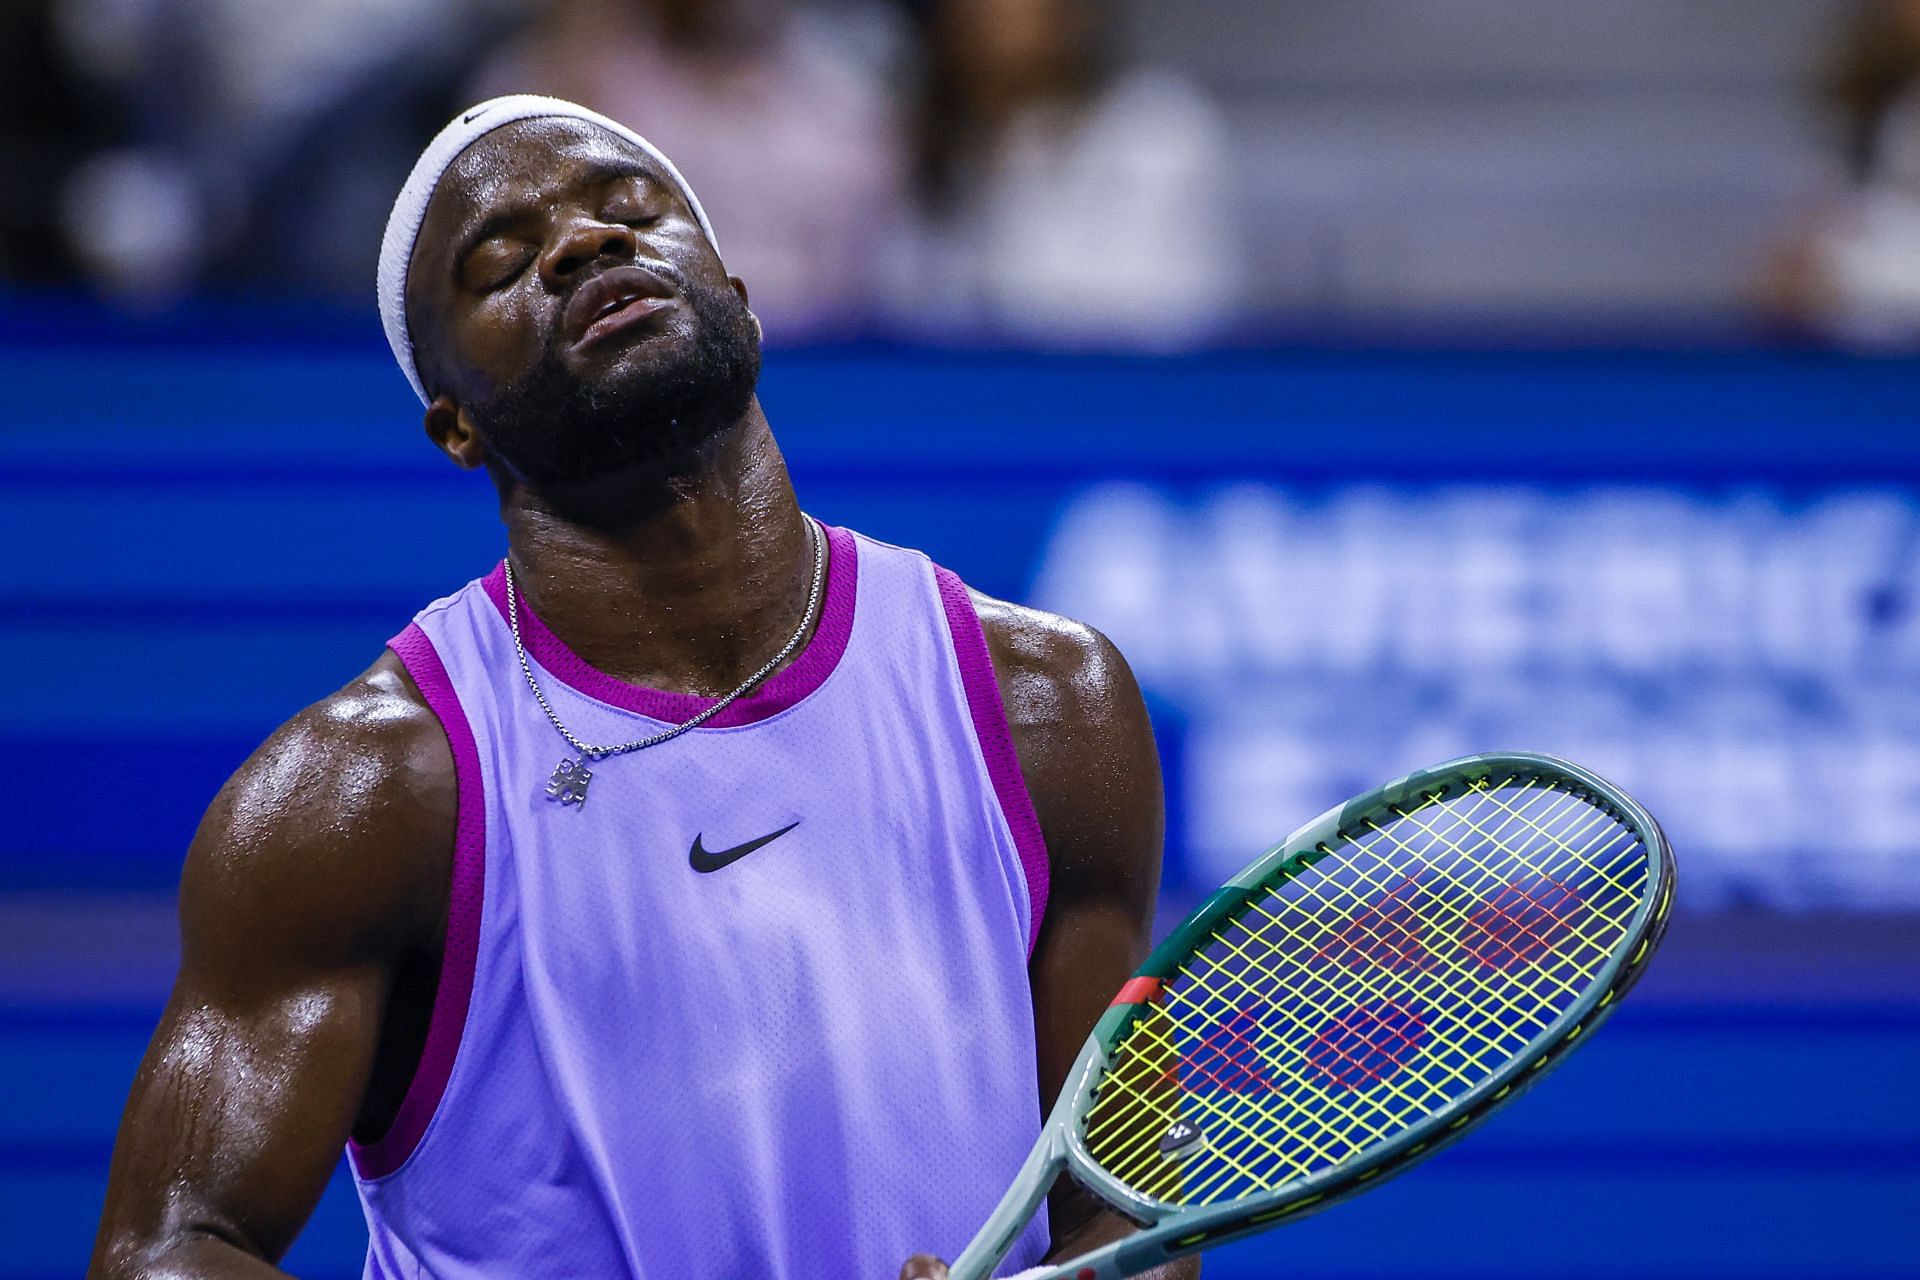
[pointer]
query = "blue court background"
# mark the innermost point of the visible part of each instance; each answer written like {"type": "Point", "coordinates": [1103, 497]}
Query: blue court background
{"type": "Point", "coordinates": [214, 520]}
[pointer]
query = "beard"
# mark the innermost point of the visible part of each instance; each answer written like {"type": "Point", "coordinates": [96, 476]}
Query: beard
{"type": "Point", "coordinates": [651, 419]}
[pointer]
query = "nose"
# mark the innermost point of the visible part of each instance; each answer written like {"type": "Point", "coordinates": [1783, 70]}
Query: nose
{"type": "Point", "coordinates": [584, 242]}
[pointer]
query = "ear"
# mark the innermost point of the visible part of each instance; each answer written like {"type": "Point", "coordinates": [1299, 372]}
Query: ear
{"type": "Point", "coordinates": [740, 287]}
{"type": "Point", "coordinates": [449, 427]}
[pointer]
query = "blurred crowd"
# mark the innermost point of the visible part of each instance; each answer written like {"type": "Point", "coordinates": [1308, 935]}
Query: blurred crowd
{"type": "Point", "coordinates": [1849, 267]}
{"type": "Point", "coordinates": [942, 170]}
{"type": "Point", "coordinates": [977, 168]}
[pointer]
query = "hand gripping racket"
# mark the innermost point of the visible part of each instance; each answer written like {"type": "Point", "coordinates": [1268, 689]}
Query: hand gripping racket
{"type": "Point", "coordinates": [1360, 996]}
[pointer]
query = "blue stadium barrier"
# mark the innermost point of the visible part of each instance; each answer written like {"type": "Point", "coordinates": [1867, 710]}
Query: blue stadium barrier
{"type": "Point", "coordinates": [216, 521]}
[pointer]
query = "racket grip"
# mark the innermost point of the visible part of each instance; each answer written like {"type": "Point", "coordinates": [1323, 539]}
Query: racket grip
{"type": "Point", "coordinates": [1016, 1209]}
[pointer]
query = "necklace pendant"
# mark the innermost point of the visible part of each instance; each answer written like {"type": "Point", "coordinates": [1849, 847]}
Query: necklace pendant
{"type": "Point", "coordinates": [569, 782]}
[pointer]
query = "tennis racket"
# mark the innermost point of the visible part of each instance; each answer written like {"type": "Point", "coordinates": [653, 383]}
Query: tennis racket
{"type": "Point", "coordinates": [1360, 996]}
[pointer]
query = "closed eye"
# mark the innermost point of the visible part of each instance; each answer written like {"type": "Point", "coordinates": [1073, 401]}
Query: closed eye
{"type": "Point", "coordinates": [510, 276]}
{"type": "Point", "coordinates": [634, 202]}
{"type": "Point", "coordinates": [495, 265]}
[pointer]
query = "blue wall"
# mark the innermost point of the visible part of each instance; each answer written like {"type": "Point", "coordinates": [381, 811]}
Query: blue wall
{"type": "Point", "coordinates": [207, 535]}
{"type": "Point", "coordinates": [1680, 1143]}
{"type": "Point", "coordinates": [209, 528]}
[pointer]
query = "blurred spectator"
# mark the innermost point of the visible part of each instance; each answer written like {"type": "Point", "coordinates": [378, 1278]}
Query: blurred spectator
{"type": "Point", "coordinates": [1853, 269]}
{"type": "Point", "coordinates": [784, 132]}
{"type": "Point", "coordinates": [1060, 198]}
{"type": "Point", "coordinates": [263, 142]}
{"type": "Point", "coordinates": [50, 118]}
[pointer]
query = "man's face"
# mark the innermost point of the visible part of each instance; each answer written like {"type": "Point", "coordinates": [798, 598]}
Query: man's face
{"type": "Point", "coordinates": [564, 296]}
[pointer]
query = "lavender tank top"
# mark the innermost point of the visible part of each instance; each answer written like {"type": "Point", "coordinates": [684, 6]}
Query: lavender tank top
{"type": "Point", "coordinates": [807, 1063]}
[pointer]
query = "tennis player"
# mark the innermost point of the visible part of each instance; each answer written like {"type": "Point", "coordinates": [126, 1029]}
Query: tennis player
{"type": "Point", "coordinates": [706, 892]}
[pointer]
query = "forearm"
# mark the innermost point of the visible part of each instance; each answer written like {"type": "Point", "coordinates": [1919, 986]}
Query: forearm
{"type": "Point", "coordinates": [317, 874]}
{"type": "Point", "coordinates": [197, 1256]}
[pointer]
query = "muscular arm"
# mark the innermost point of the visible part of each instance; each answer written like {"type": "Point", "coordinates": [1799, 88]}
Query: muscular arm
{"type": "Point", "coordinates": [1086, 751]}
{"type": "Point", "coordinates": [312, 891]}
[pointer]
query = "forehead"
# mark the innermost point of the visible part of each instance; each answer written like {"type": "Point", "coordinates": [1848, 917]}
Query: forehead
{"type": "Point", "coordinates": [535, 153]}
{"type": "Point", "coordinates": [521, 166]}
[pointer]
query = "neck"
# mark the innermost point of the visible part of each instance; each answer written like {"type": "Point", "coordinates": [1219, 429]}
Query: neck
{"type": "Point", "coordinates": [694, 593]}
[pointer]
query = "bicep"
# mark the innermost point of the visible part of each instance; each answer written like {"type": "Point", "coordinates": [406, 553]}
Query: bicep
{"type": "Point", "coordinates": [1095, 781]}
{"type": "Point", "coordinates": [303, 892]}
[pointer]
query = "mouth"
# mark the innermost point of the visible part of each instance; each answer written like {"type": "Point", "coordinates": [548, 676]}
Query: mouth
{"type": "Point", "coordinates": [615, 301]}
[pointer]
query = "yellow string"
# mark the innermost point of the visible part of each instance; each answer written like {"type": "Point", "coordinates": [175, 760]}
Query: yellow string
{"type": "Point", "coordinates": [1542, 831]}
{"type": "Point", "coordinates": [1125, 1123]}
{"type": "Point", "coordinates": [1260, 936]}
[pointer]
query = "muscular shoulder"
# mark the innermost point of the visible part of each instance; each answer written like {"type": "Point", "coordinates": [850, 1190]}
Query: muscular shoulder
{"type": "Point", "coordinates": [336, 834]}
{"type": "Point", "coordinates": [1084, 741]}
{"type": "Point", "coordinates": [1052, 670]}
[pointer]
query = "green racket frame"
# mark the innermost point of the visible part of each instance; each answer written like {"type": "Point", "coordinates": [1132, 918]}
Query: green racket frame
{"type": "Point", "coordinates": [1171, 1231]}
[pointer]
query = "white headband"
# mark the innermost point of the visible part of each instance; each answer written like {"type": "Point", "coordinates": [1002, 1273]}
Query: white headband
{"type": "Point", "coordinates": [410, 210]}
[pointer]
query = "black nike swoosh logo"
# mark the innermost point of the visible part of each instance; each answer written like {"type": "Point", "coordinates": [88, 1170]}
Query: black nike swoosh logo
{"type": "Point", "coordinates": [702, 860]}
{"type": "Point", "coordinates": [471, 116]}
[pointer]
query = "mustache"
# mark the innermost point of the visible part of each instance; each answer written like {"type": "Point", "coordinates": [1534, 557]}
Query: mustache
{"type": "Point", "coordinates": [568, 318]}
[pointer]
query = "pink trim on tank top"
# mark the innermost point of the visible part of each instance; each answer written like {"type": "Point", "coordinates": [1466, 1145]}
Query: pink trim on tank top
{"type": "Point", "coordinates": [448, 1022]}
{"type": "Point", "coordinates": [784, 689]}
{"type": "Point", "coordinates": [996, 742]}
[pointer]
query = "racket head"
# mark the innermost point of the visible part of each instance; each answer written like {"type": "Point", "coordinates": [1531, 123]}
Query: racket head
{"type": "Point", "coordinates": [1375, 1077]}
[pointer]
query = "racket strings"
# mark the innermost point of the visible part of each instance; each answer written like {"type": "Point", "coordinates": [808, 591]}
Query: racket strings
{"type": "Point", "coordinates": [1284, 1014]}
{"type": "Point", "coordinates": [1375, 991]}
{"type": "Point", "coordinates": [1428, 959]}
{"type": "Point", "coordinates": [1342, 1057]}
{"type": "Point", "coordinates": [1343, 1142]}
{"type": "Point", "coordinates": [1558, 839]}
{"type": "Point", "coordinates": [1315, 1023]}
{"type": "Point", "coordinates": [1348, 1057]}
{"type": "Point", "coordinates": [1251, 1139]}
{"type": "Point", "coordinates": [1226, 940]}
{"type": "Point", "coordinates": [1365, 879]}
{"type": "Point", "coordinates": [1475, 889]}
{"type": "Point", "coordinates": [1351, 1060]}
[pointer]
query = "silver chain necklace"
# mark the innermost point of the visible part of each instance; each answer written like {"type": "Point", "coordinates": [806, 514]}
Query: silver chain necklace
{"type": "Point", "coordinates": [570, 777]}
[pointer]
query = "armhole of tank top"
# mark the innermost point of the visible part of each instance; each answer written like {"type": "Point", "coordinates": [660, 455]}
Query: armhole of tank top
{"type": "Point", "coordinates": [996, 743]}
{"type": "Point", "coordinates": [447, 1023]}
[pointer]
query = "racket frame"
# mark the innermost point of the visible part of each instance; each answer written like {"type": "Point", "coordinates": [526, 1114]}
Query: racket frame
{"type": "Point", "coordinates": [1172, 1231]}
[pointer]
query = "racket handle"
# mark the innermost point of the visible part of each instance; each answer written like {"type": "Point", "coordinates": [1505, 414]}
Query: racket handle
{"type": "Point", "coordinates": [1016, 1209]}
